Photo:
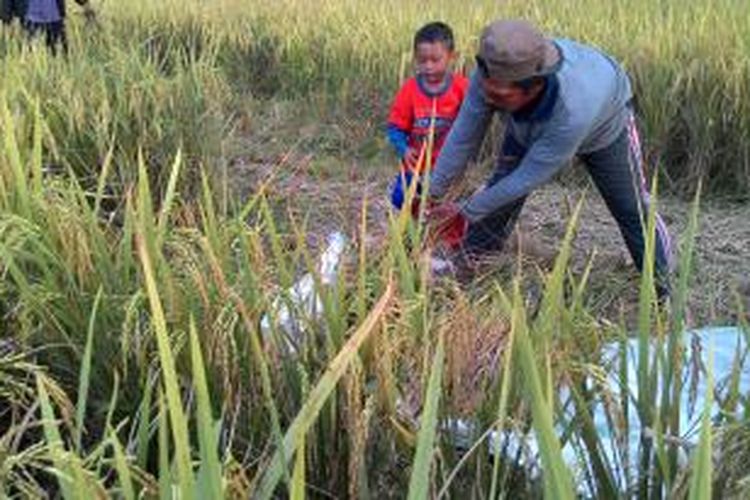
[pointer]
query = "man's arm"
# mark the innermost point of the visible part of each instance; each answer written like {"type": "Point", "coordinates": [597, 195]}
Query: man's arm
{"type": "Point", "coordinates": [464, 139]}
{"type": "Point", "coordinates": [546, 156]}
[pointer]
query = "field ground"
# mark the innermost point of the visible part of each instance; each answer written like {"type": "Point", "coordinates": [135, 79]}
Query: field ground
{"type": "Point", "coordinates": [329, 189]}
{"type": "Point", "coordinates": [133, 294]}
{"type": "Point", "coordinates": [723, 249]}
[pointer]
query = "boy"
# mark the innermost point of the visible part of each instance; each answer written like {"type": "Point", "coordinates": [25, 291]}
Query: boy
{"type": "Point", "coordinates": [435, 93]}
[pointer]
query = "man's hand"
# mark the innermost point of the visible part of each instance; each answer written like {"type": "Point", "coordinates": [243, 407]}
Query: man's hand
{"type": "Point", "coordinates": [446, 222]}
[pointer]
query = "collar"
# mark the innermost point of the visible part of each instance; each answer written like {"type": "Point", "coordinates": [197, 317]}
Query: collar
{"type": "Point", "coordinates": [543, 109]}
{"type": "Point", "coordinates": [447, 81]}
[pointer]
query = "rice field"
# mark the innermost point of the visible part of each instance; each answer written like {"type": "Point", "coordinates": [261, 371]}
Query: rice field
{"type": "Point", "coordinates": [152, 340]}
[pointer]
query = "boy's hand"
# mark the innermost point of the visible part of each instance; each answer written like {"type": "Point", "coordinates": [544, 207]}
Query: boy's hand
{"type": "Point", "coordinates": [447, 223]}
{"type": "Point", "coordinates": [411, 157]}
{"type": "Point", "coordinates": [416, 204]}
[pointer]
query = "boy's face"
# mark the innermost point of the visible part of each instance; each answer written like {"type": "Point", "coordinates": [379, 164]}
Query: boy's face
{"type": "Point", "coordinates": [433, 60]}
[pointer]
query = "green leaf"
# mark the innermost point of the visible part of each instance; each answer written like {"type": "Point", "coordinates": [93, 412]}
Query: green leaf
{"type": "Point", "coordinates": [700, 482]}
{"type": "Point", "coordinates": [143, 426]}
{"type": "Point", "coordinates": [165, 467]}
{"type": "Point", "coordinates": [298, 477]}
{"type": "Point", "coordinates": [123, 470]}
{"type": "Point", "coordinates": [67, 466]}
{"type": "Point", "coordinates": [18, 185]}
{"type": "Point", "coordinates": [169, 375]}
{"type": "Point", "coordinates": [85, 373]}
{"type": "Point", "coordinates": [210, 475]}
{"type": "Point", "coordinates": [307, 415]}
{"type": "Point", "coordinates": [168, 201]}
{"type": "Point", "coordinates": [557, 481]}
{"type": "Point", "coordinates": [419, 483]}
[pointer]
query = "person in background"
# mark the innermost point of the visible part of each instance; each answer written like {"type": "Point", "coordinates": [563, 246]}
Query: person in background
{"type": "Point", "coordinates": [43, 18]}
{"type": "Point", "coordinates": [560, 99]}
{"type": "Point", "coordinates": [433, 96]}
{"type": "Point", "coordinates": [11, 10]}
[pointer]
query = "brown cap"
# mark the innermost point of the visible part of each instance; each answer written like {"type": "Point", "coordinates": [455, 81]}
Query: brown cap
{"type": "Point", "coordinates": [515, 50]}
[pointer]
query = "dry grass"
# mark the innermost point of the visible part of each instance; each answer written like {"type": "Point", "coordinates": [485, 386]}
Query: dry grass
{"type": "Point", "coordinates": [158, 78]}
{"type": "Point", "coordinates": [477, 343]}
{"type": "Point", "coordinates": [719, 279]}
{"type": "Point", "coordinates": [722, 251]}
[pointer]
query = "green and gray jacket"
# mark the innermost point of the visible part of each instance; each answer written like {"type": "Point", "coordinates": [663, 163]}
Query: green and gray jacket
{"type": "Point", "coordinates": [588, 113]}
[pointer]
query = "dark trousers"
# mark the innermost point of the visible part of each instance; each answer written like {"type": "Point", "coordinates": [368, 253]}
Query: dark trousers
{"type": "Point", "coordinates": [617, 170]}
{"type": "Point", "coordinates": [54, 34]}
{"type": "Point", "coordinates": [12, 9]}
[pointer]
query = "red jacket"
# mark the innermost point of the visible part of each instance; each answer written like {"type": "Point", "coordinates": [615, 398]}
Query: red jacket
{"type": "Point", "coordinates": [413, 109]}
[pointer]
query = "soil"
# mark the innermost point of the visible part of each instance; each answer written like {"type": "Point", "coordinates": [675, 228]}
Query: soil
{"type": "Point", "coordinates": [720, 279]}
{"type": "Point", "coordinates": [330, 198]}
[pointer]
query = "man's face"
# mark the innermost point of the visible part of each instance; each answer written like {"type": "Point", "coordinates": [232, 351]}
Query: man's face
{"type": "Point", "coordinates": [433, 60]}
{"type": "Point", "coordinates": [506, 95]}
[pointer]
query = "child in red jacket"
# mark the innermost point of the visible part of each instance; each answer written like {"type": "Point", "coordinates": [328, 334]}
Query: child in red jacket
{"type": "Point", "coordinates": [430, 99]}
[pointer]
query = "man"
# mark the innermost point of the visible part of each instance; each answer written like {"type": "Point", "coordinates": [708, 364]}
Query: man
{"type": "Point", "coordinates": [562, 99]}
{"type": "Point", "coordinates": [12, 9]}
{"type": "Point", "coordinates": [42, 17]}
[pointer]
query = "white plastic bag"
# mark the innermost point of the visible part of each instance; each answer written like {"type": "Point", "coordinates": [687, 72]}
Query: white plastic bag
{"type": "Point", "coordinates": [300, 304]}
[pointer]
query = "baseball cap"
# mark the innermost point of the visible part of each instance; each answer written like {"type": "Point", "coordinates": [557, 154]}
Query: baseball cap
{"type": "Point", "coordinates": [514, 50]}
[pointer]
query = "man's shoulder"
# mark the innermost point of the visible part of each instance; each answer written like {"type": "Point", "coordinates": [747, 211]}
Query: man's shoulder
{"type": "Point", "coordinates": [587, 71]}
{"type": "Point", "coordinates": [570, 45]}
{"type": "Point", "coordinates": [576, 54]}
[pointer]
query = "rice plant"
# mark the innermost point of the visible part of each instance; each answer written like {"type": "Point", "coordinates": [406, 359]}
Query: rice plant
{"type": "Point", "coordinates": [154, 344]}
